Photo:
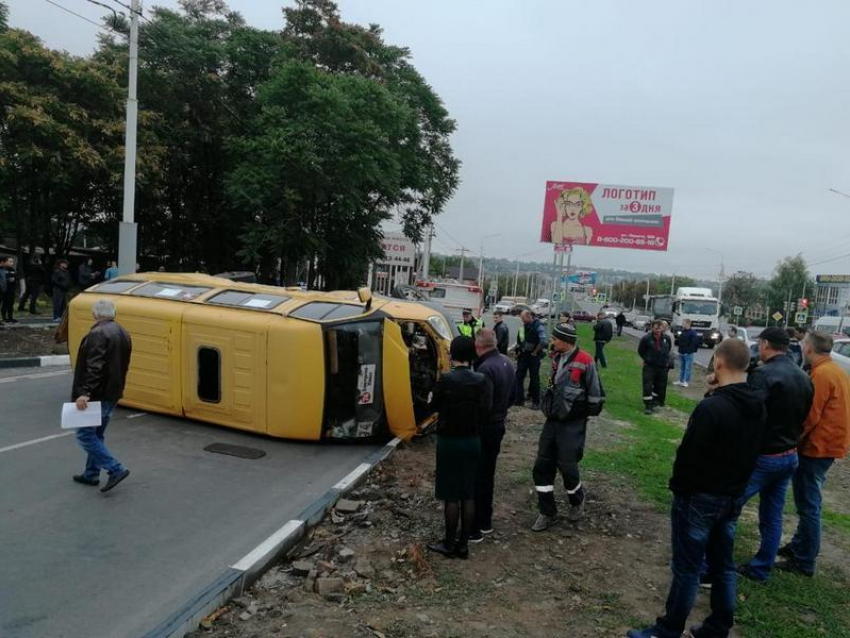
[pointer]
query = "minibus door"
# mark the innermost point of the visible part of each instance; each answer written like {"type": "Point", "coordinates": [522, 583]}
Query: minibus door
{"type": "Point", "coordinates": [398, 397]}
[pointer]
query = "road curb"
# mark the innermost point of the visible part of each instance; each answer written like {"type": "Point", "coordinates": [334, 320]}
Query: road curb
{"type": "Point", "coordinates": [242, 574]}
{"type": "Point", "coordinates": [36, 362]}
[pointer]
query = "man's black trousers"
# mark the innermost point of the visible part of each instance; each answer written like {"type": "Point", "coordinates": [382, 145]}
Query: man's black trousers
{"type": "Point", "coordinates": [527, 363]}
{"type": "Point", "coordinates": [491, 445]}
{"type": "Point", "coordinates": [654, 385]}
{"type": "Point", "coordinates": [561, 448]}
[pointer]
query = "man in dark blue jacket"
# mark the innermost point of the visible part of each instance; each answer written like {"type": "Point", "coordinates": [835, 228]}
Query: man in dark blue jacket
{"type": "Point", "coordinates": [499, 371]}
{"type": "Point", "coordinates": [713, 464]}
{"type": "Point", "coordinates": [531, 342]}
{"type": "Point", "coordinates": [654, 349]}
{"type": "Point", "coordinates": [689, 342]}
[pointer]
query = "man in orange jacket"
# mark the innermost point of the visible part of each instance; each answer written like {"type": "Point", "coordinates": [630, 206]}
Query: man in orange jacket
{"type": "Point", "coordinates": [826, 437]}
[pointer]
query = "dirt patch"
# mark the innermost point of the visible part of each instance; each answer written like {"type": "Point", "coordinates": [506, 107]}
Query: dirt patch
{"type": "Point", "coordinates": [596, 578]}
{"type": "Point", "coordinates": [29, 341]}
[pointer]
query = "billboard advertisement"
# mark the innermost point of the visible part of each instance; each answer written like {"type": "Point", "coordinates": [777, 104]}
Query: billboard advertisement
{"type": "Point", "coordinates": [607, 215]}
{"type": "Point", "coordinates": [583, 278]}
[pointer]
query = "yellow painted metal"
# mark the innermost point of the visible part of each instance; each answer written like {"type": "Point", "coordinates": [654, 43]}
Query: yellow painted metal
{"type": "Point", "coordinates": [296, 379]}
{"type": "Point", "coordinates": [398, 398]}
{"type": "Point", "coordinates": [272, 365]}
{"type": "Point", "coordinates": [241, 340]}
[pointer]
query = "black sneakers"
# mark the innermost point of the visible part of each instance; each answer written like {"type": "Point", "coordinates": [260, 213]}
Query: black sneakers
{"type": "Point", "coordinates": [82, 480]}
{"type": "Point", "coordinates": [115, 479]}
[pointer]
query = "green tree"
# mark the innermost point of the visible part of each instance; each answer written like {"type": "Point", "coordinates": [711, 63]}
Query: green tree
{"type": "Point", "coordinates": [743, 289]}
{"type": "Point", "coordinates": [4, 16]}
{"type": "Point", "coordinates": [60, 135]}
{"type": "Point", "coordinates": [791, 280]}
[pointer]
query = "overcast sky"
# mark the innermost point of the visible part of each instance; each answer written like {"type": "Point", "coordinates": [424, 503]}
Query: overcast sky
{"type": "Point", "coordinates": [741, 107]}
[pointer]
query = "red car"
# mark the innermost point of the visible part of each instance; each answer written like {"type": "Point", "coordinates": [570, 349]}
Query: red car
{"type": "Point", "coordinates": [582, 315]}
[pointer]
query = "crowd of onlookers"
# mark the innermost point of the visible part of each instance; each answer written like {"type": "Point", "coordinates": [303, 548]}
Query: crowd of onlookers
{"type": "Point", "coordinates": [56, 283]}
{"type": "Point", "coordinates": [764, 425]}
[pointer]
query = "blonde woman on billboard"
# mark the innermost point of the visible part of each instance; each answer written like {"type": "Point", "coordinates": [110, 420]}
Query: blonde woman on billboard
{"type": "Point", "coordinates": [573, 205]}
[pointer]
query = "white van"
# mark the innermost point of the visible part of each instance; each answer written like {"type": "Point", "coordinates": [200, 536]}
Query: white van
{"type": "Point", "coordinates": [453, 297]}
{"type": "Point", "coordinates": [833, 325]}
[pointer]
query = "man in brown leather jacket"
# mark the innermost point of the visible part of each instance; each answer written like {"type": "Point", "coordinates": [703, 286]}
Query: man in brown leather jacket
{"type": "Point", "coordinates": [99, 375]}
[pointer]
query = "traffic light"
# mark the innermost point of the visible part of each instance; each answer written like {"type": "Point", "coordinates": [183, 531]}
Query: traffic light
{"type": "Point", "coordinates": [804, 303]}
{"type": "Point", "coordinates": [785, 306]}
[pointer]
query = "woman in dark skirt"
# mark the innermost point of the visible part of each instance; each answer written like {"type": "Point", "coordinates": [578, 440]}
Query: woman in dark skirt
{"type": "Point", "coordinates": [462, 398]}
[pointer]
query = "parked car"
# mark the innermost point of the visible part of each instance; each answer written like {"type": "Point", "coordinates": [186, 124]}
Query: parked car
{"type": "Point", "coordinates": [542, 307]}
{"type": "Point", "coordinates": [583, 315]}
{"type": "Point", "coordinates": [841, 353]}
{"type": "Point", "coordinates": [640, 322]}
{"type": "Point", "coordinates": [505, 306]}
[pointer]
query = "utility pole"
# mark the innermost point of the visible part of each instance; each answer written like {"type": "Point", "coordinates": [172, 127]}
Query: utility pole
{"type": "Point", "coordinates": [646, 307]}
{"type": "Point", "coordinates": [516, 277]}
{"type": "Point", "coordinates": [481, 260]}
{"type": "Point", "coordinates": [463, 252]}
{"type": "Point", "coordinates": [426, 253]}
{"type": "Point", "coordinates": [673, 284]}
{"type": "Point", "coordinates": [128, 230]}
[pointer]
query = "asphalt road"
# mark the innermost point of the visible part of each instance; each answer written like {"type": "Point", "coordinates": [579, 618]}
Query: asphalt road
{"type": "Point", "coordinates": [75, 562]}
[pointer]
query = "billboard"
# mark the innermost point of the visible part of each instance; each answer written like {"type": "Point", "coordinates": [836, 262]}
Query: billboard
{"type": "Point", "coordinates": [583, 278]}
{"type": "Point", "coordinates": [607, 215]}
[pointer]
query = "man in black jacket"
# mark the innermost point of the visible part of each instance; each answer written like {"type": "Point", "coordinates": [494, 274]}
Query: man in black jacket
{"type": "Point", "coordinates": [60, 280]}
{"type": "Point", "coordinates": [654, 349]}
{"type": "Point", "coordinates": [713, 464]}
{"type": "Point", "coordinates": [788, 394]}
{"type": "Point", "coordinates": [503, 335]}
{"type": "Point", "coordinates": [603, 332]}
{"type": "Point", "coordinates": [99, 375]}
{"type": "Point", "coordinates": [620, 320]}
{"type": "Point", "coordinates": [9, 291]}
{"type": "Point", "coordinates": [499, 371]}
{"type": "Point", "coordinates": [34, 278]}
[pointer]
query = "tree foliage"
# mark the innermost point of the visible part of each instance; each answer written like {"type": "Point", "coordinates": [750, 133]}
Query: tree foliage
{"type": "Point", "coordinates": [260, 149]}
{"type": "Point", "coordinates": [631, 292]}
{"type": "Point", "coordinates": [743, 289]}
{"type": "Point", "coordinates": [791, 280]}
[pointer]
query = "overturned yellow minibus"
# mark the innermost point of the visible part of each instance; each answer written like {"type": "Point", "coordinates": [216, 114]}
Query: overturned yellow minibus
{"type": "Point", "coordinates": [276, 361]}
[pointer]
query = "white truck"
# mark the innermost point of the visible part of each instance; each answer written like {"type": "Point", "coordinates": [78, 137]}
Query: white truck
{"type": "Point", "coordinates": [697, 304]}
{"type": "Point", "coordinates": [453, 296]}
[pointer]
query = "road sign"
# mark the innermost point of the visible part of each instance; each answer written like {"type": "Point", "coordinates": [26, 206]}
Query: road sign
{"type": "Point", "coordinates": [492, 292]}
{"type": "Point", "coordinates": [777, 316]}
{"type": "Point", "coordinates": [737, 311]}
{"type": "Point", "coordinates": [556, 297]}
{"type": "Point", "coordinates": [801, 317]}
{"type": "Point", "coordinates": [601, 297]}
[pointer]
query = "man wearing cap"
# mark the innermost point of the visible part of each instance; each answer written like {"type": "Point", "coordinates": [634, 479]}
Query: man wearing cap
{"type": "Point", "coordinates": [531, 348]}
{"type": "Point", "coordinates": [788, 393]}
{"type": "Point", "coordinates": [503, 335]}
{"type": "Point", "coordinates": [574, 393]}
{"type": "Point", "coordinates": [826, 437]}
{"type": "Point", "coordinates": [470, 326]}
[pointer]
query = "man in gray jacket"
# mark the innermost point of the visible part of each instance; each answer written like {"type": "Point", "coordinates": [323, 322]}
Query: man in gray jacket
{"type": "Point", "coordinates": [574, 394]}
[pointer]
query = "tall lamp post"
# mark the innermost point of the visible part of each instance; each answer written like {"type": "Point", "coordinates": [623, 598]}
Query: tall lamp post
{"type": "Point", "coordinates": [481, 259]}
{"type": "Point", "coordinates": [128, 229]}
{"type": "Point", "coordinates": [722, 277]}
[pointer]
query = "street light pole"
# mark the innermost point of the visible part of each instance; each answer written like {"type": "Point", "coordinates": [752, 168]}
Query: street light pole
{"type": "Point", "coordinates": [722, 277]}
{"type": "Point", "coordinates": [481, 260]}
{"type": "Point", "coordinates": [128, 230]}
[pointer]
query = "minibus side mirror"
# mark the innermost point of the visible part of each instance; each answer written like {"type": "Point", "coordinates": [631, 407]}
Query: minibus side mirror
{"type": "Point", "coordinates": [365, 296]}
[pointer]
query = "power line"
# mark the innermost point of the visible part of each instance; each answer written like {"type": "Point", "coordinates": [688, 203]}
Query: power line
{"type": "Point", "coordinates": [82, 17]}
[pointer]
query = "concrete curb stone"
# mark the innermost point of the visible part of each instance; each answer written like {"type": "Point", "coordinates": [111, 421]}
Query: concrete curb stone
{"type": "Point", "coordinates": [36, 362]}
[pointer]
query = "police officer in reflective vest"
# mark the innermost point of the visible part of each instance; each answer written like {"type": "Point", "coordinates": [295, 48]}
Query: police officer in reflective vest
{"type": "Point", "coordinates": [470, 326]}
{"type": "Point", "coordinates": [574, 394]}
{"type": "Point", "coordinates": [531, 348]}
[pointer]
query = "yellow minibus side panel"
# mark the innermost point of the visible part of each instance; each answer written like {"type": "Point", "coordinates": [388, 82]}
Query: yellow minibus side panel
{"type": "Point", "coordinates": [224, 367]}
{"type": "Point", "coordinates": [398, 397]}
{"type": "Point", "coordinates": [154, 377]}
{"type": "Point", "coordinates": [296, 379]}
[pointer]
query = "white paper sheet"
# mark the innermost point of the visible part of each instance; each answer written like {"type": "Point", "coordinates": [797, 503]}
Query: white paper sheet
{"type": "Point", "coordinates": [258, 303]}
{"type": "Point", "coordinates": [168, 292]}
{"type": "Point", "coordinates": [72, 418]}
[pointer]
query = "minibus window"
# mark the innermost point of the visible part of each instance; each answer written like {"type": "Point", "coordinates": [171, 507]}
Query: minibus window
{"type": "Point", "coordinates": [354, 398]}
{"type": "Point", "coordinates": [326, 311]}
{"type": "Point", "coordinates": [209, 375]}
{"type": "Point", "coordinates": [115, 286]}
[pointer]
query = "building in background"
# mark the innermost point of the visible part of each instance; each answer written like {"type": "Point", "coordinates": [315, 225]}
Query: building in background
{"type": "Point", "coordinates": [832, 295]}
{"type": "Point", "coordinates": [398, 267]}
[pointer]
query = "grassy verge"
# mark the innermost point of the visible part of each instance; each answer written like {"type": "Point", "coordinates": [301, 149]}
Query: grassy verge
{"type": "Point", "coordinates": [787, 607]}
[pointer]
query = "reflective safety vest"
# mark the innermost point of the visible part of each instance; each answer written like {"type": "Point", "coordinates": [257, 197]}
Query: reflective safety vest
{"type": "Point", "coordinates": [470, 329]}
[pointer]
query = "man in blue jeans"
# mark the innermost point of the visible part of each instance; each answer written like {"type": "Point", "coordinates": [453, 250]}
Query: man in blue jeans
{"type": "Point", "coordinates": [712, 467]}
{"type": "Point", "coordinates": [826, 437]}
{"type": "Point", "coordinates": [99, 375]}
{"type": "Point", "coordinates": [788, 395]}
{"type": "Point", "coordinates": [531, 340]}
{"type": "Point", "coordinates": [689, 342]}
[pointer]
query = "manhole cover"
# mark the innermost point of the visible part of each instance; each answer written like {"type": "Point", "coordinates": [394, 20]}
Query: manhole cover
{"type": "Point", "coordinates": [235, 450]}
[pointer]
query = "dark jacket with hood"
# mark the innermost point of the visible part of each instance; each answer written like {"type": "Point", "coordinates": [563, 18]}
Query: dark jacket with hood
{"type": "Point", "coordinates": [603, 331]}
{"type": "Point", "coordinates": [788, 394]}
{"type": "Point", "coordinates": [721, 444]}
